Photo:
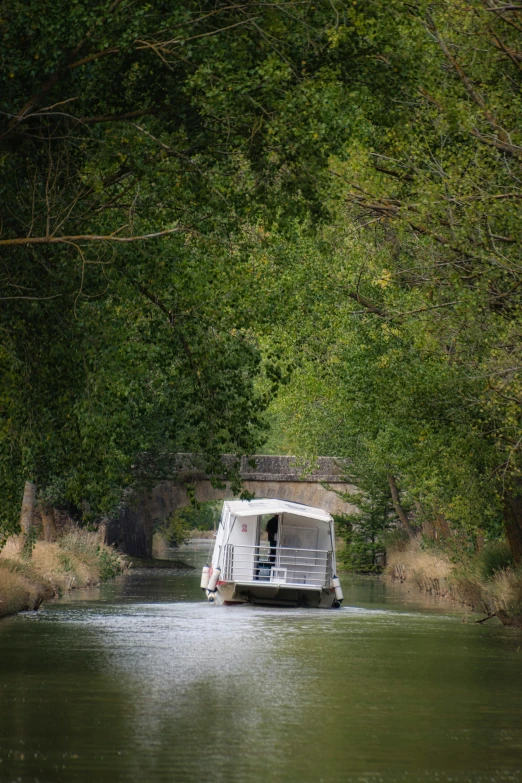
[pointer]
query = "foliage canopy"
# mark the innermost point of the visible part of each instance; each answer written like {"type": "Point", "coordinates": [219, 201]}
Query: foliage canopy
{"type": "Point", "coordinates": [203, 201]}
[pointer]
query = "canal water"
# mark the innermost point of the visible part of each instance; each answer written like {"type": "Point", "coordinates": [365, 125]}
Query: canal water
{"type": "Point", "coordinates": [142, 681]}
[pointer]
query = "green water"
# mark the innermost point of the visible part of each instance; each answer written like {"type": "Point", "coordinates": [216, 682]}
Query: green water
{"type": "Point", "coordinates": [143, 681]}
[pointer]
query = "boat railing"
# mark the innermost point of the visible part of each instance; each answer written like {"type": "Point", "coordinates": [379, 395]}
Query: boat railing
{"type": "Point", "coordinates": [277, 565]}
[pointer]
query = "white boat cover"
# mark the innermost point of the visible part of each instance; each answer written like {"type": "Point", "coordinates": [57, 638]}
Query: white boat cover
{"type": "Point", "coordinates": [258, 506]}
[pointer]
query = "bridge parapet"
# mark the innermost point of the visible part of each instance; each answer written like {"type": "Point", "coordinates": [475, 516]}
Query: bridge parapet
{"type": "Point", "coordinates": [270, 467]}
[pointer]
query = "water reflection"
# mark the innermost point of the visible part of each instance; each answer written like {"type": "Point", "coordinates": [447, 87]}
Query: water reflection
{"type": "Point", "coordinates": [144, 681]}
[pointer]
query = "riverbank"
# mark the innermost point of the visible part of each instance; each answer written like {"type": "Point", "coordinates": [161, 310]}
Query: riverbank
{"type": "Point", "coordinates": [486, 581]}
{"type": "Point", "coordinates": [30, 575]}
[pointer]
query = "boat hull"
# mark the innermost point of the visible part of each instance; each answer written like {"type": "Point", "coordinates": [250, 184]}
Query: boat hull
{"type": "Point", "coordinates": [230, 593]}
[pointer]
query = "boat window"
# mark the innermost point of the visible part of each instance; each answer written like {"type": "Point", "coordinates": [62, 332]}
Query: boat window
{"type": "Point", "coordinates": [294, 537]}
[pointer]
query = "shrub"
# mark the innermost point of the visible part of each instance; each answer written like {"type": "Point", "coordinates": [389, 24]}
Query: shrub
{"type": "Point", "coordinates": [110, 563]}
{"type": "Point", "coordinates": [495, 557]}
{"type": "Point", "coordinates": [174, 529]}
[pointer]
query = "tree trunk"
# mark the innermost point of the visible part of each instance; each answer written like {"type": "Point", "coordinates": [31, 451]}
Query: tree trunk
{"type": "Point", "coordinates": [399, 509]}
{"type": "Point", "coordinates": [513, 524]}
{"type": "Point", "coordinates": [48, 523]}
{"type": "Point", "coordinates": [28, 503]}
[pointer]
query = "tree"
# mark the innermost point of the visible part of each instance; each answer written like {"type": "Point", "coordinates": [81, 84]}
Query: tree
{"type": "Point", "coordinates": [443, 191]}
{"type": "Point", "coordinates": [141, 147]}
{"type": "Point", "coordinates": [419, 273]}
{"type": "Point", "coordinates": [364, 532]}
{"type": "Point", "coordinates": [121, 172]}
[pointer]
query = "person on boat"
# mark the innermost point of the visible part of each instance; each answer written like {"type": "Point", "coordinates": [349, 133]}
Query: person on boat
{"type": "Point", "coordinates": [272, 527]}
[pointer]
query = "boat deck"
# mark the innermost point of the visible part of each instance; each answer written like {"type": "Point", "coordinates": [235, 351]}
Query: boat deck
{"type": "Point", "coordinates": [276, 585]}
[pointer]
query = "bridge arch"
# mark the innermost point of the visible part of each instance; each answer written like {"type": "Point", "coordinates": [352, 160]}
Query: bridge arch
{"type": "Point", "coordinates": [284, 477]}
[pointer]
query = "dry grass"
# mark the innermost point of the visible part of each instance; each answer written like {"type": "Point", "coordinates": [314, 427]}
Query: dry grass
{"type": "Point", "coordinates": [17, 593]}
{"type": "Point", "coordinates": [498, 594]}
{"type": "Point", "coordinates": [506, 593]}
{"type": "Point", "coordinates": [429, 569]}
{"type": "Point", "coordinates": [12, 547]}
{"type": "Point", "coordinates": [79, 559]}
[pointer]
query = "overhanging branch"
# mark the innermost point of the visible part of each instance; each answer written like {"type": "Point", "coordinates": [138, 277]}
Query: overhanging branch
{"type": "Point", "coordinates": [50, 240]}
{"type": "Point", "coordinates": [366, 303]}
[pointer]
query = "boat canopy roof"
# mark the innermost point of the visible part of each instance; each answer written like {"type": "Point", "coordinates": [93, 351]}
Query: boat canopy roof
{"type": "Point", "coordinates": [247, 508]}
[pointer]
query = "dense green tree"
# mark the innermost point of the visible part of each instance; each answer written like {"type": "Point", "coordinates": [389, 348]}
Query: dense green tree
{"type": "Point", "coordinates": [365, 532]}
{"type": "Point", "coordinates": [125, 138]}
{"type": "Point", "coordinates": [413, 358]}
{"type": "Point", "coordinates": [142, 146]}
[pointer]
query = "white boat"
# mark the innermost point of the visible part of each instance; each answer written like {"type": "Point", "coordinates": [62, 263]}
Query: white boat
{"type": "Point", "coordinates": [296, 569]}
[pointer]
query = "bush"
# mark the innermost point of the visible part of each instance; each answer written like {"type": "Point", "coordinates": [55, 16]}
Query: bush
{"type": "Point", "coordinates": [202, 516]}
{"type": "Point", "coordinates": [361, 555]}
{"type": "Point", "coordinates": [495, 557]}
{"type": "Point", "coordinates": [174, 530]}
{"type": "Point", "coordinates": [110, 563]}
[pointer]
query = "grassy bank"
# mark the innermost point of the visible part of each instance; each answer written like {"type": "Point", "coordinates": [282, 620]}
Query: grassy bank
{"type": "Point", "coordinates": [28, 575]}
{"type": "Point", "coordinates": [487, 581]}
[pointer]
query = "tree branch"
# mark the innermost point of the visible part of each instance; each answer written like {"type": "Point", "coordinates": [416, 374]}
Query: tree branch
{"type": "Point", "coordinates": [30, 298]}
{"type": "Point", "coordinates": [50, 240]}
{"type": "Point", "coordinates": [94, 56]}
{"type": "Point", "coordinates": [472, 92]}
{"type": "Point", "coordinates": [511, 149]}
{"type": "Point", "coordinates": [488, 617]}
{"type": "Point", "coordinates": [502, 8]}
{"type": "Point", "coordinates": [172, 318]}
{"type": "Point", "coordinates": [366, 303]}
{"type": "Point", "coordinates": [425, 309]}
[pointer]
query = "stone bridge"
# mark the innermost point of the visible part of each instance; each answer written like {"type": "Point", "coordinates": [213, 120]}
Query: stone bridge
{"type": "Point", "coordinates": [287, 478]}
